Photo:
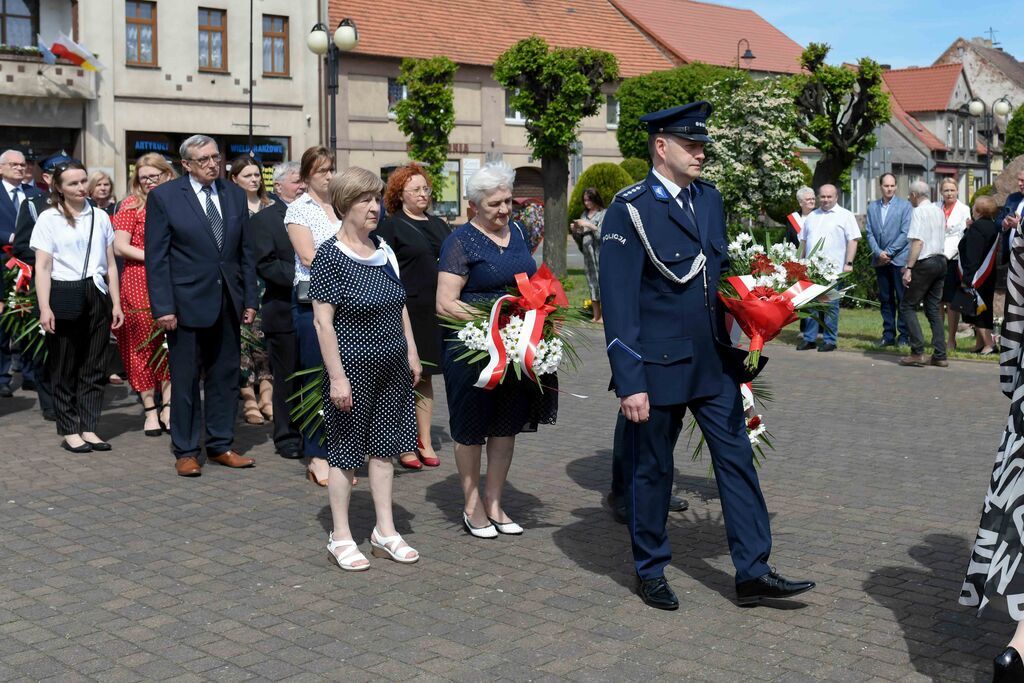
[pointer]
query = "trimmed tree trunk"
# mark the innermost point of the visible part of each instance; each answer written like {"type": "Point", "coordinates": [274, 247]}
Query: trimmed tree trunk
{"type": "Point", "coordinates": [827, 172]}
{"type": "Point", "coordinates": [555, 175]}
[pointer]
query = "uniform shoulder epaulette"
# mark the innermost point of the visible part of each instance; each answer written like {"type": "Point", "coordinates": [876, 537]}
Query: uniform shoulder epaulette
{"type": "Point", "coordinates": [632, 192]}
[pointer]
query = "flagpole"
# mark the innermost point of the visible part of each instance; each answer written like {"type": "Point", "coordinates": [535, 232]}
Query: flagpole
{"type": "Point", "coordinates": [251, 20]}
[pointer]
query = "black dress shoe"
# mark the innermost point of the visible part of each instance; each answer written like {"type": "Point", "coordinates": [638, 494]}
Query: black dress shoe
{"type": "Point", "coordinates": [6, 391]}
{"type": "Point", "coordinates": [50, 417]}
{"type": "Point", "coordinates": [98, 445]}
{"type": "Point", "coordinates": [657, 593]}
{"type": "Point", "coordinates": [827, 347]}
{"type": "Point", "coordinates": [805, 345]}
{"type": "Point", "coordinates": [769, 586]}
{"type": "Point", "coordinates": [882, 343]}
{"type": "Point", "coordinates": [1008, 667]}
{"type": "Point", "coordinates": [290, 454]}
{"type": "Point", "coordinates": [618, 507]}
{"type": "Point", "coordinates": [677, 504]}
{"type": "Point", "coordinates": [84, 448]}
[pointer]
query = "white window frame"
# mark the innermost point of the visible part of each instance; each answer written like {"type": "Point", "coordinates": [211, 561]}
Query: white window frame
{"type": "Point", "coordinates": [611, 101]}
{"type": "Point", "coordinates": [391, 107]}
{"type": "Point", "coordinates": [517, 119]}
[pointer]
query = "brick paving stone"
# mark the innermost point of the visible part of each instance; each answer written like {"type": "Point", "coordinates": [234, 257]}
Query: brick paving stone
{"type": "Point", "coordinates": [113, 568]}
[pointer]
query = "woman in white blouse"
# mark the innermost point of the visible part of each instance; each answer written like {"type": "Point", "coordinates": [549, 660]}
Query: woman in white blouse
{"type": "Point", "coordinates": [958, 216]}
{"type": "Point", "coordinates": [75, 242]}
{"type": "Point", "coordinates": [311, 221]}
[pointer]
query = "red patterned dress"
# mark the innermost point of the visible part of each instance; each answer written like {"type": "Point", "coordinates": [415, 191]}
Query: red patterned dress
{"type": "Point", "coordinates": [138, 322]}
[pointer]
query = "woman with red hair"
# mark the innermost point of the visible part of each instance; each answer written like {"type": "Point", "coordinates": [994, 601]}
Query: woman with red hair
{"type": "Point", "coordinates": [416, 236]}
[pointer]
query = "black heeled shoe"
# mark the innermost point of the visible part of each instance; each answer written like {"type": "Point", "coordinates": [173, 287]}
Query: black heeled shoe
{"type": "Point", "coordinates": [166, 426]}
{"type": "Point", "coordinates": [98, 445]}
{"type": "Point", "coordinates": [1008, 667]}
{"type": "Point", "coordinates": [84, 448]}
{"type": "Point", "coordinates": [153, 432]}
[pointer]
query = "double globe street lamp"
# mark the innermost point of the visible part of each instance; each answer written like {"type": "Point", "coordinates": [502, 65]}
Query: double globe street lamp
{"type": "Point", "coordinates": [978, 109]}
{"type": "Point", "coordinates": [319, 42]}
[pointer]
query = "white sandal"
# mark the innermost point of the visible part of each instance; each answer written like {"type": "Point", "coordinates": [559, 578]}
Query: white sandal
{"type": "Point", "coordinates": [387, 546]}
{"type": "Point", "coordinates": [346, 559]}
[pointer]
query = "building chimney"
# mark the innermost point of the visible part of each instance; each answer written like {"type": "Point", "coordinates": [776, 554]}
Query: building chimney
{"type": "Point", "coordinates": [886, 67]}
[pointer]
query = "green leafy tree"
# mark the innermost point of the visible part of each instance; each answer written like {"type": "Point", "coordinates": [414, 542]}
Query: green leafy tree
{"type": "Point", "coordinates": [607, 178]}
{"type": "Point", "coordinates": [778, 210]}
{"type": "Point", "coordinates": [554, 89]}
{"type": "Point", "coordinates": [655, 91]}
{"type": "Point", "coordinates": [636, 168]}
{"type": "Point", "coordinates": [838, 109]}
{"type": "Point", "coordinates": [751, 158]}
{"type": "Point", "coordinates": [427, 115]}
{"type": "Point", "coordinates": [1013, 144]}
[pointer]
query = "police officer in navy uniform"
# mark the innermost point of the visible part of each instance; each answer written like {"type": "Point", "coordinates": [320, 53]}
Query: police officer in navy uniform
{"type": "Point", "coordinates": [663, 249]}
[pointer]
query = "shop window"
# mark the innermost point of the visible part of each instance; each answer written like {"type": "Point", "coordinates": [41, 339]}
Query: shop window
{"type": "Point", "coordinates": [140, 33]}
{"type": "Point", "coordinates": [213, 39]}
{"type": "Point", "coordinates": [19, 22]}
{"type": "Point", "coordinates": [275, 45]}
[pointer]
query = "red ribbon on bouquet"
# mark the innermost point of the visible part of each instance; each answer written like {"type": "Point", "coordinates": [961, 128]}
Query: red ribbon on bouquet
{"type": "Point", "coordinates": [24, 280]}
{"type": "Point", "coordinates": [533, 301]}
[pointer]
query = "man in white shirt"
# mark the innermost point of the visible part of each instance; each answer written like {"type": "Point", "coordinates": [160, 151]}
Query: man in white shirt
{"type": "Point", "coordinates": [837, 231]}
{"type": "Point", "coordinates": [923, 277]}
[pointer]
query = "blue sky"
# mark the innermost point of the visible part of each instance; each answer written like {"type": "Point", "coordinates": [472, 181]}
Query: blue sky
{"type": "Point", "coordinates": [910, 33]}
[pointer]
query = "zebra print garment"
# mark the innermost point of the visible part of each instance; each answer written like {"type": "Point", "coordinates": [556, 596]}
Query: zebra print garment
{"type": "Point", "coordinates": [995, 575]}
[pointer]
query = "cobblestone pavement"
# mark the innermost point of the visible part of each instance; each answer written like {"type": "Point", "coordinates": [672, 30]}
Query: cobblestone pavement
{"type": "Point", "coordinates": [113, 568]}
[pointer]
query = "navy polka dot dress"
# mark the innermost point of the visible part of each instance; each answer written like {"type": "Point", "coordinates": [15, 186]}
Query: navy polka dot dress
{"type": "Point", "coordinates": [369, 299]}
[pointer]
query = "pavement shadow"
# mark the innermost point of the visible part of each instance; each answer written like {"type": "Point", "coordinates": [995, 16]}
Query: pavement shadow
{"type": "Point", "coordinates": [524, 508]}
{"type": "Point", "coordinates": [694, 538]}
{"type": "Point", "coordinates": [919, 598]}
{"type": "Point", "coordinates": [9, 406]}
{"type": "Point", "coordinates": [362, 518]}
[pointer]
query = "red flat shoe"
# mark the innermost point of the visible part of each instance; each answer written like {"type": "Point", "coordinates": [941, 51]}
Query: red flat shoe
{"type": "Point", "coordinates": [413, 464]}
{"type": "Point", "coordinates": [426, 459]}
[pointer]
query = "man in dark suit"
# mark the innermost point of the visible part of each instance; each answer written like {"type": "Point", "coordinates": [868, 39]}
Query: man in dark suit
{"type": "Point", "coordinates": [200, 277]}
{"type": "Point", "coordinates": [275, 263]}
{"type": "Point", "coordinates": [663, 249]}
{"type": "Point", "coordinates": [13, 192]}
{"type": "Point", "coordinates": [888, 223]}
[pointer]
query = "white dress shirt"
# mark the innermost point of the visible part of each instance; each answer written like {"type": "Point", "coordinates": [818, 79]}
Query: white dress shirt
{"type": "Point", "coordinates": [67, 244]}
{"type": "Point", "coordinates": [835, 228]}
{"type": "Point", "coordinates": [928, 224]}
{"type": "Point", "coordinates": [9, 189]}
{"type": "Point", "coordinates": [674, 190]}
{"type": "Point", "coordinates": [197, 187]}
{"type": "Point", "coordinates": [956, 224]}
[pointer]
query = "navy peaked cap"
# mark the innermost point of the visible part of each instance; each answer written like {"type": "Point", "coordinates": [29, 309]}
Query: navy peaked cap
{"type": "Point", "coordinates": [686, 121]}
{"type": "Point", "coordinates": [50, 163]}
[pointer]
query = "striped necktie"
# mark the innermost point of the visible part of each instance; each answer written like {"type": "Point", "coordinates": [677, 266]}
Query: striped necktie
{"type": "Point", "coordinates": [212, 215]}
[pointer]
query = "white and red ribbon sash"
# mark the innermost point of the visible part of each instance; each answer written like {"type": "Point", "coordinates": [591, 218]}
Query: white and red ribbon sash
{"type": "Point", "coordinates": [794, 220]}
{"type": "Point", "coordinates": [981, 274]}
{"type": "Point", "coordinates": [494, 371]}
{"type": "Point", "coordinates": [24, 280]}
{"type": "Point", "coordinates": [799, 294]}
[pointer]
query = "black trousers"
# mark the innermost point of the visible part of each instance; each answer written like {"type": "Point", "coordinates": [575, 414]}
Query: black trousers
{"type": "Point", "coordinates": [926, 280]}
{"type": "Point", "coordinates": [214, 354]}
{"type": "Point", "coordinates": [78, 364]}
{"type": "Point", "coordinates": [282, 353]}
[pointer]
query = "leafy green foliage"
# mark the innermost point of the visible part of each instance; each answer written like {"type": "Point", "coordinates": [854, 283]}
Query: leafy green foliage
{"type": "Point", "coordinates": [1013, 145]}
{"type": "Point", "coordinates": [838, 111]}
{"type": "Point", "coordinates": [554, 89]}
{"type": "Point", "coordinates": [863, 281]}
{"type": "Point", "coordinates": [607, 178]}
{"type": "Point", "coordinates": [655, 91]}
{"type": "Point", "coordinates": [636, 168]}
{"type": "Point", "coordinates": [984, 190]}
{"type": "Point", "coordinates": [778, 210]}
{"type": "Point", "coordinates": [427, 115]}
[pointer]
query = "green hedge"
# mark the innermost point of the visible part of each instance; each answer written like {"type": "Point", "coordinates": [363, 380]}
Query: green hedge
{"type": "Point", "coordinates": [636, 168]}
{"type": "Point", "coordinates": [607, 178]}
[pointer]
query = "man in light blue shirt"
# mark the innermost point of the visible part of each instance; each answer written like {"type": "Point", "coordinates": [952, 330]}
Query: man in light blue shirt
{"type": "Point", "coordinates": [887, 225]}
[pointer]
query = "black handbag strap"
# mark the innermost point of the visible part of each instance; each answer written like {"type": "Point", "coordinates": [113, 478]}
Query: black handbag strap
{"type": "Point", "coordinates": [88, 249]}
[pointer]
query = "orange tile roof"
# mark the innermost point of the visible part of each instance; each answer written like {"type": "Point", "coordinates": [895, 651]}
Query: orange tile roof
{"type": "Point", "coordinates": [924, 89]}
{"type": "Point", "coordinates": [478, 32]}
{"type": "Point", "coordinates": [916, 128]}
{"type": "Point", "coordinates": [703, 32]}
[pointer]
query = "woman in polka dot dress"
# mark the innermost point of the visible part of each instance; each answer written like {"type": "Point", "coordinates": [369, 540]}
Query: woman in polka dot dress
{"type": "Point", "coordinates": [129, 243]}
{"type": "Point", "coordinates": [370, 362]}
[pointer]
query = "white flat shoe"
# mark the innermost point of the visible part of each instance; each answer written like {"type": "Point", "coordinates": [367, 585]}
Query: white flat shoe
{"type": "Point", "coordinates": [346, 559]}
{"type": "Point", "coordinates": [389, 546]}
{"type": "Point", "coordinates": [479, 531]}
{"type": "Point", "coordinates": [508, 528]}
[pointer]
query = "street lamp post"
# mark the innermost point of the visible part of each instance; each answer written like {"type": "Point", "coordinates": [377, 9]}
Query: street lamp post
{"type": "Point", "coordinates": [979, 110]}
{"type": "Point", "coordinates": [747, 55]}
{"type": "Point", "coordinates": [345, 38]}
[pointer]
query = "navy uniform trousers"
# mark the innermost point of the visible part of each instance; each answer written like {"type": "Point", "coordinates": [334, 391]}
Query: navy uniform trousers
{"type": "Point", "coordinates": [647, 458]}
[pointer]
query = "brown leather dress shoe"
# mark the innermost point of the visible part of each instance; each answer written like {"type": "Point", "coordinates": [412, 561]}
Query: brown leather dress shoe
{"type": "Point", "coordinates": [939, 362]}
{"type": "Point", "coordinates": [232, 459]}
{"type": "Point", "coordinates": [187, 467]}
{"type": "Point", "coordinates": [912, 361]}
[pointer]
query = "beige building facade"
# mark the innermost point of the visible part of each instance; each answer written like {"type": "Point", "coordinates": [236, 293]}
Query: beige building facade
{"type": "Point", "coordinates": [171, 68]}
